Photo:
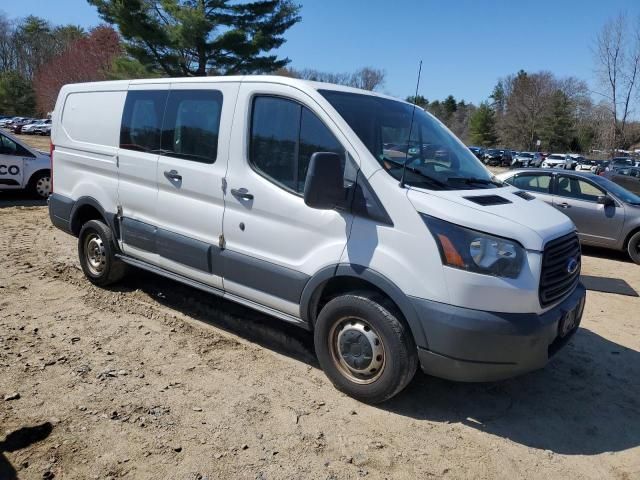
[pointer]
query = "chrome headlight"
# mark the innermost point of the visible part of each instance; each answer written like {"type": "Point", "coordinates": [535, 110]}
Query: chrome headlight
{"type": "Point", "coordinates": [476, 251]}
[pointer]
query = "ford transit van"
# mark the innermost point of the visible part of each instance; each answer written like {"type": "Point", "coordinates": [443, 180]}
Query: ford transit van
{"type": "Point", "coordinates": [346, 212]}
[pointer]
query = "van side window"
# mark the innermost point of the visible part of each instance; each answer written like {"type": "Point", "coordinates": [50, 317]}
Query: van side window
{"type": "Point", "coordinates": [141, 120]}
{"type": "Point", "coordinates": [191, 125]}
{"type": "Point", "coordinates": [284, 135]}
{"type": "Point", "coordinates": [314, 137]}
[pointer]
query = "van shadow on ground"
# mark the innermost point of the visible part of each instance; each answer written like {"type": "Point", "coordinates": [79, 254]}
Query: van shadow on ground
{"type": "Point", "coordinates": [585, 402]}
{"type": "Point", "coordinates": [18, 440]}
{"type": "Point", "coordinates": [20, 199]}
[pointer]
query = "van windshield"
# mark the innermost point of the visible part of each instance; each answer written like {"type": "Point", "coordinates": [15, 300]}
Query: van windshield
{"type": "Point", "coordinates": [435, 159]}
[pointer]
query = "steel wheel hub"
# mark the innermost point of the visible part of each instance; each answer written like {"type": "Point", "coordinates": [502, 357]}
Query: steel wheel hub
{"type": "Point", "coordinates": [357, 350]}
{"type": "Point", "coordinates": [95, 254]}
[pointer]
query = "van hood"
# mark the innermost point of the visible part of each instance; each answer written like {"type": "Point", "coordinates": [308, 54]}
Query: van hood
{"type": "Point", "coordinates": [531, 222]}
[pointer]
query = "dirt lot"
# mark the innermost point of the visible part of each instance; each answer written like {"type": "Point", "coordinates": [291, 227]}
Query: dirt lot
{"type": "Point", "coordinates": [153, 380]}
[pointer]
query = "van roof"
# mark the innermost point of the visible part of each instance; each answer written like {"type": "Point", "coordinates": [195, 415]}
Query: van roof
{"type": "Point", "coordinates": [294, 82]}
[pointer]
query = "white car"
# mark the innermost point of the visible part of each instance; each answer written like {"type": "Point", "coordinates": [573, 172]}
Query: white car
{"type": "Point", "coordinates": [586, 166]}
{"type": "Point", "coordinates": [23, 167]}
{"type": "Point", "coordinates": [527, 159]}
{"type": "Point", "coordinates": [34, 127]}
{"type": "Point", "coordinates": [557, 160]}
{"type": "Point", "coordinates": [286, 196]}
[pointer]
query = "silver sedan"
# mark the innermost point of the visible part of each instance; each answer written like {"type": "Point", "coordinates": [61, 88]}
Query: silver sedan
{"type": "Point", "coordinates": [604, 213]}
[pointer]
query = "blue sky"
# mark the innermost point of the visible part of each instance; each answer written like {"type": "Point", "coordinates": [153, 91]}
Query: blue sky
{"type": "Point", "coordinates": [465, 45]}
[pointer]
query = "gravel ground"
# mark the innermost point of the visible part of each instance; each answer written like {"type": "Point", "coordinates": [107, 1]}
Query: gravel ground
{"type": "Point", "coordinates": [151, 379]}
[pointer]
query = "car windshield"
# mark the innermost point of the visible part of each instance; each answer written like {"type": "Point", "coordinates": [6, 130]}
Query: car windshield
{"type": "Point", "coordinates": [525, 155]}
{"type": "Point", "coordinates": [620, 192]}
{"type": "Point", "coordinates": [434, 158]}
{"type": "Point", "coordinates": [555, 157]}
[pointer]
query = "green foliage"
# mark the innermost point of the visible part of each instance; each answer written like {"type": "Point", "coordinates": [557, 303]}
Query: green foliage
{"type": "Point", "coordinates": [482, 126]}
{"type": "Point", "coordinates": [16, 95]}
{"type": "Point", "coordinates": [126, 68]}
{"type": "Point", "coordinates": [418, 100]}
{"type": "Point", "coordinates": [449, 105]}
{"type": "Point", "coordinates": [200, 37]}
{"type": "Point", "coordinates": [559, 123]}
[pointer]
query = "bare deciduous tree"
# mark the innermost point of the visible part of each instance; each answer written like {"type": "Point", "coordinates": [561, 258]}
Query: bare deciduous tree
{"type": "Point", "coordinates": [366, 78]}
{"type": "Point", "coordinates": [617, 58]}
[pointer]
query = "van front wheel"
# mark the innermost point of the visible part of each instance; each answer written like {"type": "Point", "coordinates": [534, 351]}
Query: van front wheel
{"type": "Point", "coordinates": [96, 250]}
{"type": "Point", "coordinates": [364, 347]}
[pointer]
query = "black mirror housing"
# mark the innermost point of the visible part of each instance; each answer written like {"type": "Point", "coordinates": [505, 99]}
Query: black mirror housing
{"type": "Point", "coordinates": [324, 185]}
{"type": "Point", "coordinates": [606, 200]}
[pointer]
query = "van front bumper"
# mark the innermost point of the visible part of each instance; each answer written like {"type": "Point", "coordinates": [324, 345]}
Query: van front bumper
{"type": "Point", "coordinates": [475, 346]}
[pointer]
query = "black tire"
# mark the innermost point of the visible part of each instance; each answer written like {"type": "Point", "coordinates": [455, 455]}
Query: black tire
{"type": "Point", "coordinates": [40, 184]}
{"type": "Point", "coordinates": [400, 358]}
{"type": "Point", "coordinates": [96, 242]}
{"type": "Point", "coordinates": [633, 247]}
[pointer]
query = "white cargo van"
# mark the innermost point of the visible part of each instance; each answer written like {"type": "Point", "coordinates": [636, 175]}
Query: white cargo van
{"type": "Point", "coordinates": [289, 197]}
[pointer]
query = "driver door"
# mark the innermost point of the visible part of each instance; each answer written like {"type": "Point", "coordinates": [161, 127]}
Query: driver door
{"type": "Point", "coordinates": [12, 157]}
{"type": "Point", "coordinates": [578, 198]}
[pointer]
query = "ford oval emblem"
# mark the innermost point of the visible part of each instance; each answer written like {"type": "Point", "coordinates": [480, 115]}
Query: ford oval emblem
{"type": "Point", "coordinates": [572, 266]}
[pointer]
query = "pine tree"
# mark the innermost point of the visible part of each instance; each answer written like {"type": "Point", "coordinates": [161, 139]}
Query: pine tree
{"type": "Point", "coordinates": [201, 37]}
{"type": "Point", "coordinates": [16, 94]}
{"type": "Point", "coordinates": [482, 126]}
{"type": "Point", "coordinates": [559, 124]}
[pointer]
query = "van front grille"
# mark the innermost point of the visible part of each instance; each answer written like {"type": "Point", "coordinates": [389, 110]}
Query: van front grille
{"type": "Point", "coordinates": [557, 278]}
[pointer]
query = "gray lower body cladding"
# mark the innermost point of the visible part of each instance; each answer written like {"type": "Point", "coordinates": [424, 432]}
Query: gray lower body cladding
{"type": "Point", "coordinates": [475, 346]}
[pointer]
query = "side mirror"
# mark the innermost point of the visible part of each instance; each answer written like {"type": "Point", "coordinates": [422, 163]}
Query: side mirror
{"type": "Point", "coordinates": [324, 185]}
{"type": "Point", "coordinates": [606, 200]}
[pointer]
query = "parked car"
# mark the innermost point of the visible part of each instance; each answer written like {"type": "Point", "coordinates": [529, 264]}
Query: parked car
{"type": "Point", "coordinates": [627, 177]}
{"type": "Point", "coordinates": [507, 158]}
{"type": "Point", "coordinates": [16, 127]}
{"type": "Point", "coordinates": [493, 156]}
{"type": "Point", "coordinates": [574, 158]}
{"type": "Point", "coordinates": [30, 128]}
{"type": "Point", "coordinates": [478, 152]}
{"type": "Point", "coordinates": [557, 160]}
{"type": "Point", "coordinates": [619, 162]}
{"type": "Point", "coordinates": [527, 159]}
{"type": "Point", "coordinates": [44, 129]}
{"type": "Point", "coordinates": [23, 167]}
{"type": "Point", "coordinates": [605, 214]}
{"type": "Point", "coordinates": [391, 261]}
{"type": "Point", "coordinates": [601, 166]}
{"type": "Point", "coordinates": [585, 165]}
{"type": "Point", "coordinates": [7, 122]}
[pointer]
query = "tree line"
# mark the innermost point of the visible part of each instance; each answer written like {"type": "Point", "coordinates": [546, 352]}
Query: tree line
{"type": "Point", "coordinates": [149, 38]}
{"type": "Point", "coordinates": [541, 111]}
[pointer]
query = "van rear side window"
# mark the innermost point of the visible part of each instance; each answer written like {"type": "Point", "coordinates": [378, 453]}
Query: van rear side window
{"type": "Point", "coordinates": [142, 120]}
{"type": "Point", "coordinates": [191, 125]}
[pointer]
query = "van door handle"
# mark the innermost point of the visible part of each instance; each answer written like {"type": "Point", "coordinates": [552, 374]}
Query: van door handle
{"type": "Point", "coordinates": [173, 175]}
{"type": "Point", "coordinates": [242, 193]}
{"type": "Point", "coordinates": [564, 205]}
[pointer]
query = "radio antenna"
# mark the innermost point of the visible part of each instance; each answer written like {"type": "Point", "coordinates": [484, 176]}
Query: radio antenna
{"type": "Point", "coordinates": [413, 112]}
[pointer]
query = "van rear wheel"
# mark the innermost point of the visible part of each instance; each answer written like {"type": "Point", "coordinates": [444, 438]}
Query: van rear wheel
{"type": "Point", "coordinates": [96, 250]}
{"type": "Point", "coordinates": [364, 347]}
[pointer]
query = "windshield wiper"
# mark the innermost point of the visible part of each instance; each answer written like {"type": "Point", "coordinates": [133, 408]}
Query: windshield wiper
{"type": "Point", "coordinates": [433, 180]}
{"type": "Point", "coordinates": [472, 180]}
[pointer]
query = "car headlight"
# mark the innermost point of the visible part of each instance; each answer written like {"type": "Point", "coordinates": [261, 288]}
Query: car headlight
{"type": "Point", "coordinates": [476, 251]}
